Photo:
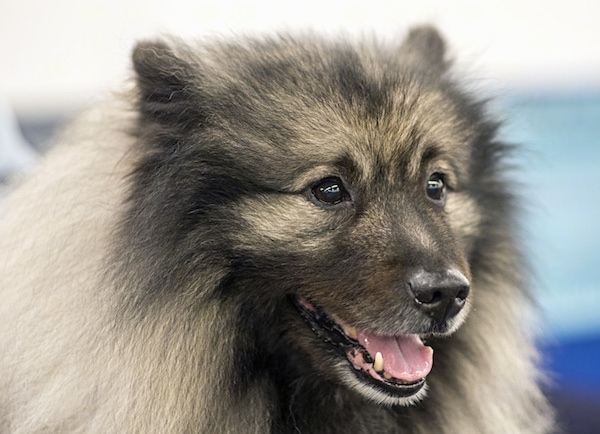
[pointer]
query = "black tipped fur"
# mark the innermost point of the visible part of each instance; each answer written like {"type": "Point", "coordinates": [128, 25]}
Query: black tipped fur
{"type": "Point", "coordinates": [169, 263]}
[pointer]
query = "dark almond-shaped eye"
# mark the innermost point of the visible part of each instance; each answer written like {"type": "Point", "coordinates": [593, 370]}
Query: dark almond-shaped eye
{"type": "Point", "coordinates": [436, 188]}
{"type": "Point", "coordinates": [330, 190]}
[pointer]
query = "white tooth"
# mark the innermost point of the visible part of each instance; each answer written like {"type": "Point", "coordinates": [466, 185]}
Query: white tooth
{"type": "Point", "coordinates": [387, 376]}
{"type": "Point", "coordinates": [351, 332]}
{"type": "Point", "coordinates": [378, 365]}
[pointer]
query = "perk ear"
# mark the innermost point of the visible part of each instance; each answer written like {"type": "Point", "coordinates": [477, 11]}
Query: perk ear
{"type": "Point", "coordinates": [165, 82]}
{"type": "Point", "coordinates": [425, 47]}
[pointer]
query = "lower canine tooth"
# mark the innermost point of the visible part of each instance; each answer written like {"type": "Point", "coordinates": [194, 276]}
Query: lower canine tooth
{"type": "Point", "coordinates": [378, 364]}
{"type": "Point", "coordinates": [387, 376]}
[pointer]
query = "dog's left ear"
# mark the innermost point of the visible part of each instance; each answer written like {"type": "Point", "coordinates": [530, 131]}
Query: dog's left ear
{"type": "Point", "coordinates": [426, 49]}
{"type": "Point", "coordinates": [168, 83]}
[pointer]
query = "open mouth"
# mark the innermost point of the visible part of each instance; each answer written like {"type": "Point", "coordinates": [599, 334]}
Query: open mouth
{"type": "Point", "coordinates": [394, 365]}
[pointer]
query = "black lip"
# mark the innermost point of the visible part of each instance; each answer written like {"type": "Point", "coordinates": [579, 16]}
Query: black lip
{"type": "Point", "coordinates": [331, 333]}
{"type": "Point", "coordinates": [392, 387]}
{"type": "Point", "coordinates": [325, 328]}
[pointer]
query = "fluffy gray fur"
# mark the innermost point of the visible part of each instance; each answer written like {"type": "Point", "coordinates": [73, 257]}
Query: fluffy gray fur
{"type": "Point", "coordinates": [147, 268]}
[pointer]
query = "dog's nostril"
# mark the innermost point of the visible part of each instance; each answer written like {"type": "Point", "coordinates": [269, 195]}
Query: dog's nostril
{"type": "Point", "coordinates": [426, 296]}
{"type": "Point", "coordinates": [462, 294]}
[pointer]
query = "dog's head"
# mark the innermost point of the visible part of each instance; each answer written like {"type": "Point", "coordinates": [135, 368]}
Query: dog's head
{"type": "Point", "coordinates": [338, 184]}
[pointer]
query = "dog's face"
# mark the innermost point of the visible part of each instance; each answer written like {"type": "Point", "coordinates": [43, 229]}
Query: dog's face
{"type": "Point", "coordinates": [338, 186]}
{"type": "Point", "coordinates": [366, 242]}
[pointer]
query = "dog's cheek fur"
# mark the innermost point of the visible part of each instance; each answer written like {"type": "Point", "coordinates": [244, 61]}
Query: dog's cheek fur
{"type": "Point", "coordinates": [280, 223]}
{"type": "Point", "coordinates": [464, 216]}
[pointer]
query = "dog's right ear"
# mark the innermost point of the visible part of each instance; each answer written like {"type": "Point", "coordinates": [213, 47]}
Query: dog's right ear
{"type": "Point", "coordinates": [165, 80]}
{"type": "Point", "coordinates": [426, 49]}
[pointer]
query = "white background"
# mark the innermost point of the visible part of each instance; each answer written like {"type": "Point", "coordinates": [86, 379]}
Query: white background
{"type": "Point", "coordinates": [57, 54]}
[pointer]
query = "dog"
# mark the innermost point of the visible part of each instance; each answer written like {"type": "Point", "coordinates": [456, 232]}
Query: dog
{"type": "Point", "coordinates": [286, 234]}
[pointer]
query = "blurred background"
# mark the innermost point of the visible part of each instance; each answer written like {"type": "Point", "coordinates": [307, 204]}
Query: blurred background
{"type": "Point", "coordinates": [539, 59]}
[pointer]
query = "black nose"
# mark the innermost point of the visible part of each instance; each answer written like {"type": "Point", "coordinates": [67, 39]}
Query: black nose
{"type": "Point", "coordinates": [440, 295]}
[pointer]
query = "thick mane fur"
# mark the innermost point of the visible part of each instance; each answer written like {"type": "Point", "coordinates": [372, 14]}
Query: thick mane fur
{"type": "Point", "coordinates": [146, 269]}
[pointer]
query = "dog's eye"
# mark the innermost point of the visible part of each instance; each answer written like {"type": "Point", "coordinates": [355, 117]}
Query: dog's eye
{"type": "Point", "coordinates": [330, 191]}
{"type": "Point", "coordinates": [436, 188]}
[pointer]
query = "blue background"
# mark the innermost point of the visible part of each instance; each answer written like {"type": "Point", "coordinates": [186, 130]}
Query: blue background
{"type": "Point", "coordinates": [558, 177]}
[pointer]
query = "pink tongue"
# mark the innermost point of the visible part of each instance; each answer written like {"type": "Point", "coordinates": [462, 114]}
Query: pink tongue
{"type": "Point", "coordinates": [405, 357]}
